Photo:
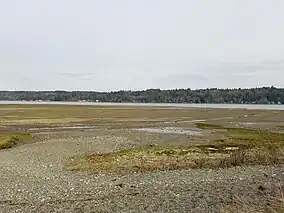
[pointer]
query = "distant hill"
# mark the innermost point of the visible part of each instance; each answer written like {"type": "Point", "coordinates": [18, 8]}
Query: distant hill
{"type": "Point", "coordinates": [264, 95]}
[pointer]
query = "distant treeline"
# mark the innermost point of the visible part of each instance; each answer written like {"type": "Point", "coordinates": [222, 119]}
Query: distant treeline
{"type": "Point", "coordinates": [264, 95]}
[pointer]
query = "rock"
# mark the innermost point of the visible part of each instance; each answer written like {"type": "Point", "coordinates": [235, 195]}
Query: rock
{"type": "Point", "coordinates": [121, 185]}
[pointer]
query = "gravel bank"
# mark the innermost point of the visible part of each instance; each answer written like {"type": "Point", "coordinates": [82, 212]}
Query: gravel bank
{"type": "Point", "coordinates": [32, 180]}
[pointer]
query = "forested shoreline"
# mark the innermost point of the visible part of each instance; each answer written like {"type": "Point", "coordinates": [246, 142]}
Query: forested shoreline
{"type": "Point", "coordinates": [264, 95]}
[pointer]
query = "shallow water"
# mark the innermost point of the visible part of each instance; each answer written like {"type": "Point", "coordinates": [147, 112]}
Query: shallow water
{"type": "Point", "coordinates": [175, 105]}
{"type": "Point", "coordinates": [171, 130]}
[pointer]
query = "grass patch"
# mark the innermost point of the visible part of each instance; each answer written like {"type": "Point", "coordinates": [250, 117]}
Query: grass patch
{"type": "Point", "coordinates": [145, 159]}
{"type": "Point", "coordinates": [9, 141]}
{"type": "Point", "coordinates": [247, 146]}
{"type": "Point", "coordinates": [153, 158]}
{"type": "Point", "coordinates": [245, 138]}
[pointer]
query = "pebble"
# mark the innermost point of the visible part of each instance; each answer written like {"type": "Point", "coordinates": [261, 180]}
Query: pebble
{"type": "Point", "coordinates": [154, 192]}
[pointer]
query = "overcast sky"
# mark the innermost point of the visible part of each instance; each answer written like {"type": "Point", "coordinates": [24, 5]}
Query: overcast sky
{"type": "Point", "coordinates": [108, 45]}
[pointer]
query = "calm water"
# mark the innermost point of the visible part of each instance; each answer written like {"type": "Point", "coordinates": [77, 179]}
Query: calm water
{"type": "Point", "coordinates": [228, 106]}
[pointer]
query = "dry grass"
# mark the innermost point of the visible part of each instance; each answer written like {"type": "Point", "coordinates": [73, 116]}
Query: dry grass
{"type": "Point", "coordinates": [256, 156]}
{"type": "Point", "coordinates": [123, 115]}
{"type": "Point", "coordinates": [110, 116]}
{"type": "Point", "coordinates": [9, 141]}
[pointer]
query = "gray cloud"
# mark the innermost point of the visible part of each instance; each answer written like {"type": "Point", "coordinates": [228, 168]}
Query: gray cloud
{"type": "Point", "coordinates": [76, 75]}
{"type": "Point", "coordinates": [112, 45]}
{"type": "Point", "coordinates": [240, 68]}
{"type": "Point", "coordinates": [229, 75]}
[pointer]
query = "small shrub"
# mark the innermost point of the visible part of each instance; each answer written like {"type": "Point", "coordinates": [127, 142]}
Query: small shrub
{"type": "Point", "coordinates": [237, 158]}
{"type": "Point", "coordinates": [256, 156]}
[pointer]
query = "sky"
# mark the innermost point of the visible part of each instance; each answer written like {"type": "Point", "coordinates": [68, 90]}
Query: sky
{"type": "Point", "coordinates": [132, 45]}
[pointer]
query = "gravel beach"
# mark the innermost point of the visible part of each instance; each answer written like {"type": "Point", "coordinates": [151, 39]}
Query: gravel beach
{"type": "Point", "coordinates": [33, 180]}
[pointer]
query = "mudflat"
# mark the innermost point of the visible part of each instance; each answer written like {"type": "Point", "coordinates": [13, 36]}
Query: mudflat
{"type": "Point", "coordinates": [59, 158]}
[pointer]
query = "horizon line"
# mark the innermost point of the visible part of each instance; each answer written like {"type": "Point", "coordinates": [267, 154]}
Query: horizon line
{"type": "Point", "coordinates": [138, 90]}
